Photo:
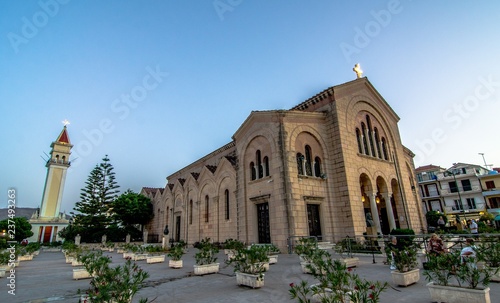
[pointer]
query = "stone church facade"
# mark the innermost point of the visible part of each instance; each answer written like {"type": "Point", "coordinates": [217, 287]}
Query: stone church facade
{"type": "Point", "coordinates": [319, 169]}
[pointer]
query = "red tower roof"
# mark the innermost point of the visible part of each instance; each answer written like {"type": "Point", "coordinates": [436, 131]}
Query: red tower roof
{"type": "Point", "coordinates": [63, 137]}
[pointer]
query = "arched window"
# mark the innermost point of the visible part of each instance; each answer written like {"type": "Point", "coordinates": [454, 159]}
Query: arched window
{"type": "Point", "coordinates": [358, 138]}
{"type": "Point", "coordinates": [384, 149]}
{"type": "Point", "coordinates": [317, 167]}
{"type": "Point", "coordinates": [260, 170]}
{"type": "Point", "coordinates": [252, 171]}
{"type": "Point", "coordinates": [190, 211]}
{"type": "Point", "coordinates": [308, 161]}
{"type": "Point", "coordinates": [266, 166]}
{"type": "Point", "coordinates": [226, 196]}
{"type": "Point", "coordinates": [206, 209]}
{"type": "Point", "coordinates": [300, 163]}
{"type": "Point", "coordinates": [370, 137]}
{"type": "Point", "coordinates": [168, 212]}
{"type": "Point", "coordinates": [377, 143]}
{"type": "Point", "coordinates": [63, 159]}
{"type": "Point", "coordinates": [363, 134]}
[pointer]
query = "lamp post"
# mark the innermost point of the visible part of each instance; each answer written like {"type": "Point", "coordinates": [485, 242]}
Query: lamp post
{"type": "Point", "coordinates": [458, 192]}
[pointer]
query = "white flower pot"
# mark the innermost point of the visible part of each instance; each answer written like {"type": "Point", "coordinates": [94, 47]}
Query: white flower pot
{"type": "Point", "coordinates": [455, 294]}
{"type": "Point", "coordinates": [155, 259]}
{"type": "Point", "coordinates": [273, 259]}
{"type": "Point", "coordinates": [253, 281]}
{"type": "Point", "coordinates": [200, 270]}
{"type": "Point", "coordinates": [139, 257]}
{"type": "Point", "coordinates": [350, 262]}
{"type": "Point", "coordinates": [405, 278]}
{"type": "Point", "coordinates": [25, 257]}
{"type": "Point", "coordinates": [80, 273]}
{"type": "Point", "coordinates": [175, 264]}
{"type": "Point", "coordinates": [75, 262]}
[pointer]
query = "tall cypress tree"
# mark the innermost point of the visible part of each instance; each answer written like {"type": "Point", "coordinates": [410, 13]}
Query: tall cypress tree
{"type": "Point", "coordinates": [96, 197]}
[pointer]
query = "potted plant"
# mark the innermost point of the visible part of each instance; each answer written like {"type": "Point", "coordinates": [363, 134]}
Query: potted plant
{"type": "Point", "coordinates": [231, 246]}
{"type": "Point", "coordinates": [305, 248]}
{"type": "Point", "coordinates": [407, 271]}
{"type": "Point", "coordinates": [335, 283]}
{"type": "Point", "coordinates": [344, 249]}
{"type": "Point", "coordinates": [117, 284]}
{"type": "Point", "coordinates": [449, 279]}
{"type": "Point", "coordinates": [272, 252]}
{"type": "Point", "coordinates": [156, 254]}
{"type": "Point", "coordinates": [206, 258]}
{"type": "Point", "coordinates": [249, 266]}
{"type": "Point", "coordinates": [488, 252]}
{"type": "Point", "coordinates": [175, 254]}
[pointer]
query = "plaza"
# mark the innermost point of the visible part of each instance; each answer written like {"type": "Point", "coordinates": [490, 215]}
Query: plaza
{"type": "Point", "coordinates": [47, 278]}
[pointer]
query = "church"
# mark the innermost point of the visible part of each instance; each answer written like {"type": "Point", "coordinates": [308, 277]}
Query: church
{"type": "Point", "coordinates": [330, 167]}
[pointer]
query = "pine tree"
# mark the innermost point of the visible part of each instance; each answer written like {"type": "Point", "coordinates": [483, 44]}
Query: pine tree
{"type": "Point", "coordinates": [101, 190]}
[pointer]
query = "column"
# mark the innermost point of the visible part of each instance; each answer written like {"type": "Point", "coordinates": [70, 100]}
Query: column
{"type": "Point", "coordinates": [390, 212]}
{"type": "Point", "coordinates": [374, 210]}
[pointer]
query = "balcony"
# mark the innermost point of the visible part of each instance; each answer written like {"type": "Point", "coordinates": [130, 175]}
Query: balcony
{"type": "Point", "coordinates": [448, 192]}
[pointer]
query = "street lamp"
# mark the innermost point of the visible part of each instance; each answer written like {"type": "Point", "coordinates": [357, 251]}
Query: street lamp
{"type": "Point", "coordinates": [458, 192]}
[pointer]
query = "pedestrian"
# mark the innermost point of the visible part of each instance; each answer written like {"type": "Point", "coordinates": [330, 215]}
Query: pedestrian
{"type": "Point", "coordinates": [435, 246]}
{"type": "Point", "coordinates": [468, 254]}
{"type": "Point", "coordinates": [441, 223]}
{"type": "Point", "coordinates": [473, 228]}
{"type": "Point", "coordinates": [393, 246]}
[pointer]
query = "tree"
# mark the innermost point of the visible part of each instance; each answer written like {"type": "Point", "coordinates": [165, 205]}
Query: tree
{"type": "Point", "coordinates": [95, 200]}
{"type": "Point", "coordinates": [131, 208]}
{"type": "Point", "coordinates": [22, 228]}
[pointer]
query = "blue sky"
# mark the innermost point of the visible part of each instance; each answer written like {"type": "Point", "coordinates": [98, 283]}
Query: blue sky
{"type": "Point", "coordinates": [158, 84]}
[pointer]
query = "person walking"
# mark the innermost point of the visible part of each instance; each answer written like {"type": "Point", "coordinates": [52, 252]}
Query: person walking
{"type": "Point", "coordinates": [468, 254]}
{"type": "Point", "coordinates": [473, 228]}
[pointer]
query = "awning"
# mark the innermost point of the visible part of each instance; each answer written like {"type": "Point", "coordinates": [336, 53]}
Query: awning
{"type": "Point", "coordinates": [497, 218]}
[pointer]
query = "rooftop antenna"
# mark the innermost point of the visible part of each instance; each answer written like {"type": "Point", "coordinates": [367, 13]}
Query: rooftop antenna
{"type": "Point", "coordinates": [484, 160]}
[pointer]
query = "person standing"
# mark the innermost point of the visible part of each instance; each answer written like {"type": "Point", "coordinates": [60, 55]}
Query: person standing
{"type": "Point", "coordinates": [393, 246]}
{"type": "Point", "coordinates": [473, 227]}
{"type": "Point", "coordinates": [468, 253]}
{"type": "Point", "coordinates": [441, 223]}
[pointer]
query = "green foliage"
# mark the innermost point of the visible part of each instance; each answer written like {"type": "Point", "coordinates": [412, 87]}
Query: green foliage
{"type": "Point", "coordinates": [207, 252]}
{"type": "Point", "coordinates": [4, 257]}
{"type": "Point", "coordinates": [118, 284]}
{"type": "Point", "coordinates": [336, 283]}
{"type": "Point", "coordinates": [176, 251]}
{"type": "Point", "coordinates": [406, 237]}
{"type": "Point", "coordinates": [100, 191]}
{"type": "Point", "coordinates": [405, 259]}
{"type": "Point", "coordinates": [22, 228]}
{"type": "Point", "coordinates": [32, 247]}
{"type": "Point", "coordinates": [442, 267]}
{"type": "Point", "coordinates": [488, 251]}
{"type": "Point", "coordinates": [305, 247]}
{"type": "Point", "coordinates": [233, 244]}
{"type": "Point", "coordinates": [250, 260]}
{"type": "Point", "coordinates": [433, 216]}
{"type": "Point", "coordinates": [131, 208]}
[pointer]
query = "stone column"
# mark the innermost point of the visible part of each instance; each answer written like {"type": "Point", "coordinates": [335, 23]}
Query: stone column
{"type": "Point", "coordinates": [78, 238]}
{"type": "Point", "coordinates": [103, 239]}
{"type": "Point", "coordinates": [145, 236]}
{"type": "Point", "coordinates": [127, 238]}
{"type": "Point", "coordinates": [374, 210]}
{"type": "Point", "coordinates": [390, 212]}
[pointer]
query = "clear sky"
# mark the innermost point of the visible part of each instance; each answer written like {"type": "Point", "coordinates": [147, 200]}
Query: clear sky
{"type": "Point", "coordinates": [158, 84]}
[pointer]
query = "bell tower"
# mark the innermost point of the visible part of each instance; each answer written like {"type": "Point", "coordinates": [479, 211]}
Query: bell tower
{"type": "Point", "coordinates": [48, 220]}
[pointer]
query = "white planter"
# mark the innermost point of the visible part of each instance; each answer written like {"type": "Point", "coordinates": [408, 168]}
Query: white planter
{"type": "Point", "coordinates": [406, 278]}
{"type": "Point", "coordinates": [318, 298]}
{"type": "Point", "coordinates": [128, 255]}
{"type": "Point", "coordinates": [70, 260]}
{"type": "Point", "coordinates": [155, 259]}
{"type": "Point", "coordinates": [350, 262]}
{"type": "Point", "coordinates": [80, 273]}
{"type": "Point", "coordinates": [495, 277]}
{"type": "Point", "coordinates": [175, 264]}
{"type": "Point", "coordinates": [120, 250]}
{"type": "Point", "coordinates": [273, 259]}
{"type": "Point", "coordinates": [75, 262]}
{"type": "Point", "coordinates": [200, 270]}
{"type": "Point", "coordinates": [25, 257]}
{"type": "Point", "coordinates": [2, 271]}
{"type": "Point", "coordinates": [454, 294]}
{"type": "Point", "coordinates": [253, 281]}
{"type": "Point", "coordinates": [305, 268]}
{"type": "Point", "coordinates": [139, 257]}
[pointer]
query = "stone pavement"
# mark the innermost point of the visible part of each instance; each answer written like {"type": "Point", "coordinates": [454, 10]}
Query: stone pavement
{"type": "Point", "coordinates": [47, 278]}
